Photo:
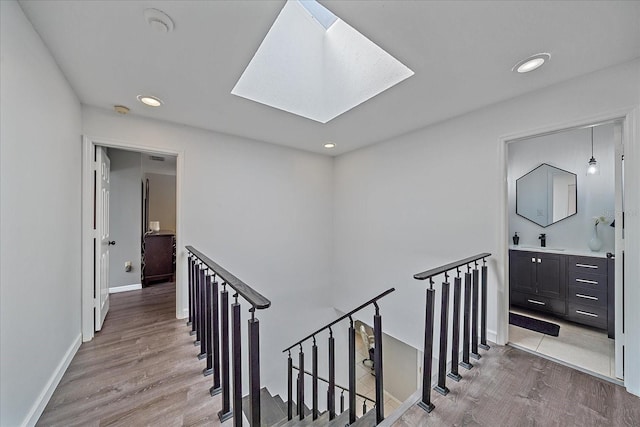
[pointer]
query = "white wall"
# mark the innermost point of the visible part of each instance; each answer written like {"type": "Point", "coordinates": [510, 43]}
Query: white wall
{"type": "Point", "coordinates": [570, 151]}
{"type": "Point", "coordinates": [40, 207]}
{"type": "Point", "coordinates": [125, 216]}
{"type": "Point", "coordinates": [162, 200]}
{"type": "Point", "coordinates": [263, 212]}
{"type": "Point", "coordinates": [436, 195]}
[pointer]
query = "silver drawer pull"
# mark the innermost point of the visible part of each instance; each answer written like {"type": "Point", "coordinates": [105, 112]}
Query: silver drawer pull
{"type": "Point", "coordinates": [587, 266]}
{"type": "Point", "coordinates": [536, 302]}
{"type": "Point", "coordinates": [591, 282]}
{"type": "Point", "coordinates": [584, 313]}
{"type": "Point", "coordinates": [587, 297]}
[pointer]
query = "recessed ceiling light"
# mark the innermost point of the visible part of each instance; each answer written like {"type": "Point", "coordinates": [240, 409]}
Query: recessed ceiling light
{"type": "Point", "coordinates": [329, 145]}
{"type": "Point", "coordinates": [531, 63]}
{"type": "Point", "coordinates": [158, 20]}
{"type": "Point", "coordinates": [151, 101]}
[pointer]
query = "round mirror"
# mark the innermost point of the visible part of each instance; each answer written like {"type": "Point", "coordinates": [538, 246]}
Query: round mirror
{"type": "Point", "coordinates": [546, 195]}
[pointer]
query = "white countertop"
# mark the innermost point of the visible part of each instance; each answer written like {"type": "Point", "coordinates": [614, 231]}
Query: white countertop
{"type": "Point", "coordinates": [551, 250]}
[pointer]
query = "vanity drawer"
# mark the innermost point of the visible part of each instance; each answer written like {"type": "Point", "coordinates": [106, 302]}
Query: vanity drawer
{"type": "Point", "coordinates": [595, 297]}
{"type": "Point", "coordinates": [587, 280]}
{"type": "Point", "coordinates": [584, 264]}
{"type": "Point", "coordinates": [537, 302]}
{"type": "Point", "coordinates": [588, 315]}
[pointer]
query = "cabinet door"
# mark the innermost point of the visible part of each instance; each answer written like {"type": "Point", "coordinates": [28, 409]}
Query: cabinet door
{"type": "Point", "coordinates": [522, 271]}
{"type": "Point", "coordinates": [551, 272]}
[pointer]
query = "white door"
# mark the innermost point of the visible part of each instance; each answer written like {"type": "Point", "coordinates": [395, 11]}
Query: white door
{"type": "Point", "coordinates": [102, 242]}
{"type": "Point", "coordinates": [619, 252]}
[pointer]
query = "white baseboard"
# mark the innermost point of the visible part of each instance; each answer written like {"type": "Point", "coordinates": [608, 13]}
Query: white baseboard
{"type": "Point", "coordinates": [134, 287]}
{"type": "Point", "coordinates": [47, 391]}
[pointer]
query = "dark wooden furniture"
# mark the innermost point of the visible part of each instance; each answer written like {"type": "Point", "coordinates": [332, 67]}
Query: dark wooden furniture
{"type": "Point", "coordinates": [575, 288]}
{"type": "Point", "coordinates": [158, 257]}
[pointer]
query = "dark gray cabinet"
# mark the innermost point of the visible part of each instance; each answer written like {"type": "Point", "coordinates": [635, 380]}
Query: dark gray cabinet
{"type": "Point", "coordinates": [576, 288]}
{"type": "Point", "coordinates": [537, 281]}
{"type": "Point", "coordinates": [587, 291]}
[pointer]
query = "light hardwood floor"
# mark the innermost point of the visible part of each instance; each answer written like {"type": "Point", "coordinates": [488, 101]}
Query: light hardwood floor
{"type": "Point", "coordinates": [510, 387]}
{"type": "Point", "coordinates": [142, 370]}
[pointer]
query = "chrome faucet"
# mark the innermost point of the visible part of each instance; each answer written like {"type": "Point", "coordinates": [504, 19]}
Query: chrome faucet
{"type": "Point", "coordinates": [543, 240]}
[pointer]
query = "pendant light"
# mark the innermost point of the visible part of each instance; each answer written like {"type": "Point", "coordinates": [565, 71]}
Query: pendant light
{"type": "Point", "coordinates": [592, 167]}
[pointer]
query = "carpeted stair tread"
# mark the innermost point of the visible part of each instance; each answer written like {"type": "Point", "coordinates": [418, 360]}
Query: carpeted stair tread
{"type": "Point", "coordinates": [340, 421]}
{"type": "Point", "coordinates": [367, 420]}
{"type": "Point", "coordinates": [270, 410]}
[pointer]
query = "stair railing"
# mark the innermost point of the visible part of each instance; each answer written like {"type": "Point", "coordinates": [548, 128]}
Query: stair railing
{"type": "Point", "coordinates": [209, 321]}
{"type": "Point", "coordinates": [343, 389]}
{"type": "Point", "coordinates": [377, 362]}
{"type": "Point", "coordinates": [470, 323]}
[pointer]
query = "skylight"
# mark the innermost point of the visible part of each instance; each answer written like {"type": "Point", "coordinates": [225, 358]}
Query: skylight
{"type": "Point", "coordinates": [313, 64]}
{"type": "Point", "coordinates": [320, 13]}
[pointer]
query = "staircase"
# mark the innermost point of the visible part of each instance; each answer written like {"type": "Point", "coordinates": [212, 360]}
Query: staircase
{"type": "Point", "coordinates": [212, 315]}
{"type": "Point", "coordinates": [274, 414]}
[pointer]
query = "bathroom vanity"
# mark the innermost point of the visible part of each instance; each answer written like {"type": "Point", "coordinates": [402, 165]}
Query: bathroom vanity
{"type": "Point", "coordinates": [574, 286]}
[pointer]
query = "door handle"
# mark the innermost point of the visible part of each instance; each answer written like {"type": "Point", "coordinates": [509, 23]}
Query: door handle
{"type": "Point", "coordinates": [111, 243]}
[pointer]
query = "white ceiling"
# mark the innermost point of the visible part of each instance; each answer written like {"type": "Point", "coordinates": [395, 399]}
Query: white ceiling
{"type": "Point", "coordinates": [461, 53]}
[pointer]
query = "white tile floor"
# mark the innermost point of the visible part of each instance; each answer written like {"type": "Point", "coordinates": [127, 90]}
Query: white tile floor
{"type": "Point", "coordinates": [366, 382]}
{"type": "Point", "coordinates": [578, 345]}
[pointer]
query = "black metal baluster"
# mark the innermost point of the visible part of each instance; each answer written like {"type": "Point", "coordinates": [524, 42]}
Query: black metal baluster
{"type": "Point", "coordinates": [377, 364]}
{"type": "Point", "coordinates": [225, 413]}
{"type": "Point", "coordinates": [202, 318]}
{"type": "Point", "coordinates": [194, 323]}
{"type": "Point", "coordinates": [215, 336]}
{"type": "Point", "coordinates": [208, 370]}
{"type": "Point", "coordinates": [190, 271]}
{"type": "Point", "coordinates": [289, 387]}
{"type": "Point", "coordinates": [254, 368]}
{"type": "Point", "coordinates": [425, 403]}
{"type": "Point", "coordinates": [474, 315]}
{"type": "Point", "coordinates": [301, 383]}
{"type": "Point", "coordinates": [483, 316]}
{"type": "Point", "coordinates": [455, 345]}
{"type": "Point", "coordinates": [314, 379]}
{"type": "Point", "coordinates": [331, 396]}
{"type": "Point", "coordinates": [342, 401]}
{"type": "Point", "coordinates": [236, 338]}
{"type": "Point", "coordinates": [352, 372]}
{"type": "Point", "coordinates": [441, 387]}
{"type": "Point", "coordinates": [465, 326]}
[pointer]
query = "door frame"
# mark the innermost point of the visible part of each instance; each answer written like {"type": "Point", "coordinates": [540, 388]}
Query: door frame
{"type": "Point", "coordinates": [87, 287]}
{"type": "Point", "coordinates": [630, 118]}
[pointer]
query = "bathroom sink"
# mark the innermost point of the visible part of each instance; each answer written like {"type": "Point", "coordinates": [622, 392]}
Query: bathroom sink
{"type": "Point", "coordinates": [540, 248]}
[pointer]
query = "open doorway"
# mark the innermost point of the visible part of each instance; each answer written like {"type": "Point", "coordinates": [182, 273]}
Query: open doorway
{"type": "Point", "coordinates": [141, 216]}
{"type": "Point", "coordinates": [564, 281]}
{"type": "Point", "coordinates": [142, 219]}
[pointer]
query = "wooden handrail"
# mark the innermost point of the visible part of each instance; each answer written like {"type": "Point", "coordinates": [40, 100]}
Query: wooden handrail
{"type": "Point", "coordinates": [448, 267]}
{"type": "Point", "coordinates": [328, 325]}
{"type": "Point", "coordinates": [253, 297]}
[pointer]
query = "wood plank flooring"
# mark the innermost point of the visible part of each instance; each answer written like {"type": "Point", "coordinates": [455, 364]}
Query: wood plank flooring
{"type": "Point", "coordinates": [141, 369]}
{"type": "Point", "coordinates": [510, 387]}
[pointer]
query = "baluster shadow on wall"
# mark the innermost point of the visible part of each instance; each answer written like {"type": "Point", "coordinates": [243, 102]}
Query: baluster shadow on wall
{"type": "Point", "coordinates": [473, 308]}
{"type": "Point", "coordinates": [209, 316]}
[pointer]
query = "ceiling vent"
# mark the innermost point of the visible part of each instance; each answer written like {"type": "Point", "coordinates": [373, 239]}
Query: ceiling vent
{"type": "Point", "coordinates": [157, 158]}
